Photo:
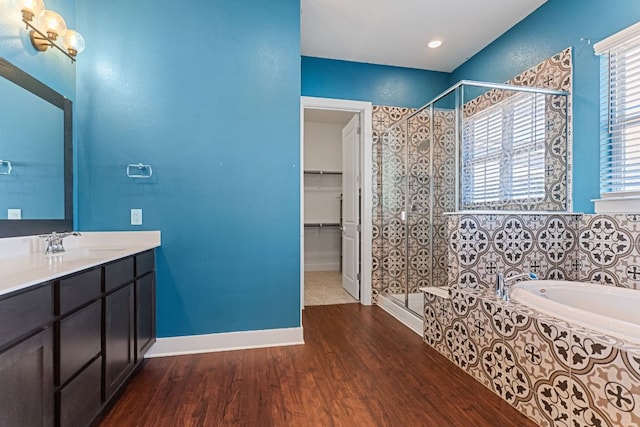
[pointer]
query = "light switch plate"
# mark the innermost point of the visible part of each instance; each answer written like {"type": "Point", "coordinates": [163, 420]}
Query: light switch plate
{"type": "Point", "coordinates": [136, 216]}
{"type": "Point", "coordinates": [14, 213]}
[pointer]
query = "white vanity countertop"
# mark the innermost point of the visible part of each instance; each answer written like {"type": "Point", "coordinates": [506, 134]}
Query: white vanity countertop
{"type": "Point", "coordinates": [23, 262]}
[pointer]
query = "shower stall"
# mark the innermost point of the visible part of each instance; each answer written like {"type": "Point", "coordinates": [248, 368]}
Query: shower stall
{"type": "Point", "coordinates": [476, 147]}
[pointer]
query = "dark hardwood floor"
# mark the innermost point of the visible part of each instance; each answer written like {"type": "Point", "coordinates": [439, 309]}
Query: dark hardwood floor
{"type": "Point", "coordinates": [359, 367]}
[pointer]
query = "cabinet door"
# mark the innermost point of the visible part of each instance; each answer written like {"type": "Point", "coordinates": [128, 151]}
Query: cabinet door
{"type": "Point", "coordinates": [26, 382]}
{"type": "Point", "coordinates": [79, 338]}
{"type": "Point", "coordinates": [119, 341]}
{"type": "Point", "coordinates": [145, 314]}
{"type": "Point", "coordinates": [80, 400]}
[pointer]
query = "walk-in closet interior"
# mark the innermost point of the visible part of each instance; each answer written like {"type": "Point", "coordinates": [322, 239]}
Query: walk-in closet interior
{"type": "Point", "coordinates": [476, 147]}
{"type": "Point", "coordinates": [323, 178]}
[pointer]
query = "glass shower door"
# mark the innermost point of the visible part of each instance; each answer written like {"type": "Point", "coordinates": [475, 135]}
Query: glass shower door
{"type": "Point", "coordinates": [419, 208]}
{"type": "Point", "coordinates": [394, 243]}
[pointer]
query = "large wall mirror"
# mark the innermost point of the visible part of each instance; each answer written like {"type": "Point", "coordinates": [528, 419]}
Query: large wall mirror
{"type": "Point", "coordinates": [36, 157]}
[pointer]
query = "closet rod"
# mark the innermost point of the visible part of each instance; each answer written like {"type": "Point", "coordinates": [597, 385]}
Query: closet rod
{"type": "Point", "coordinates": [323, 172]}
{"type": "Point", "coordinates": [322, 225]}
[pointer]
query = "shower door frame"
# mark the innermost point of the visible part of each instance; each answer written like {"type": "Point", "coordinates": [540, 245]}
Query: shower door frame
{"type": "Point", "coordinates": [365, 110]}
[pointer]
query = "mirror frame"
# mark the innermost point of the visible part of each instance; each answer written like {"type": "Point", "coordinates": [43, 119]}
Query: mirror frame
{"type": "Point", "coordinates": [26, 227]}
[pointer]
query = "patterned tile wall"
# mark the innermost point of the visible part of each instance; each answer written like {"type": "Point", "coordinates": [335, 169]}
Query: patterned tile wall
{"type": "Point", "coordinates": [556, 374]}
{"type": "Point", "coordinates": [402, 155]}
{"type": "Point", "coordinates": [602, 249]}
{"type": "Point", "coordinates": [483, 245]}
{"type": "Point", "coordinates": [609, 249]}
{"type": "Point", "coordinates": [389, 257]}
{"type": "Point", "coordinates": [415, 252]}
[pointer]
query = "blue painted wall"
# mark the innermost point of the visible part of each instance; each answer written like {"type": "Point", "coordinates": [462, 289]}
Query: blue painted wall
{"type": "Point", "coordinates": [212, 102]}
{"type": "Point", "coordinates": [379, 84]}
{"type": "Point", "coordinates": [554, 26]}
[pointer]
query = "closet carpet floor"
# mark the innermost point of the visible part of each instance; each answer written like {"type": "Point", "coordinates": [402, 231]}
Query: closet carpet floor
{"type": "Point", "coordinates": [325, 288]}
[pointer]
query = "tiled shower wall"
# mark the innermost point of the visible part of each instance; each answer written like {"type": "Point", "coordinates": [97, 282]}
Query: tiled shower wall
{"type": "Point", "coordinates": [428, 258]}
{"type": "Point", "coordinates": [603, 249]}
{"type": "Point", "coordinates": [414, 252]}
{"type": "Point", "coordinates": [383, 117]}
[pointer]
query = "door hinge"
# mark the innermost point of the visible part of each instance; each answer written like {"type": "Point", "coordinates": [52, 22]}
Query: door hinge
{"type": "Point", "coordinates": [359, 130]}
{"type": "Point", "coordinates": [358, 277]}
{"type": "Point", "coordinates": [359, 228]}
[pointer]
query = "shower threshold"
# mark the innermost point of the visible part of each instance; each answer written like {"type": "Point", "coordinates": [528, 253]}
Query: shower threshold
{"type": "Point", "coordinates": [410, 317]}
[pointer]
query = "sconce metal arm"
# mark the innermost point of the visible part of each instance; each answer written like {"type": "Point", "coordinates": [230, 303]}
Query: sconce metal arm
{"type": "Point", "coordinates": [38, 39]}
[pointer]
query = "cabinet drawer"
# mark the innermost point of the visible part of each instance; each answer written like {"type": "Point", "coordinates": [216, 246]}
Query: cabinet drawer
{"type": "Point", "coordinates": [25, 312]}
{"type": "Point", "coordinates": [145, 263]}
{"type": "Point", "coordinates": [80, 340]}
{"type": "Point", "coordinates": [118, 273]}
{"type": "Point", "coordinates": [79, 289]}
{"type": "Point", "coordinates": [79, 402]}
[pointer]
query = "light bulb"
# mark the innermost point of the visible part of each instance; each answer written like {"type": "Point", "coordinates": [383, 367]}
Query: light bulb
{"type": "Point", "coordinates": [51, 23]}
{"type": "Point", "coordinates": [30, 8]}
{"type": "Point", "coordinates": [73, 42]}
{"type": "Point", "coordinates": [434, 44]}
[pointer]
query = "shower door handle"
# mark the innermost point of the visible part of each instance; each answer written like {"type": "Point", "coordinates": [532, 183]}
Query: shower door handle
{"type": "Point", "coordinates": [403, 216]}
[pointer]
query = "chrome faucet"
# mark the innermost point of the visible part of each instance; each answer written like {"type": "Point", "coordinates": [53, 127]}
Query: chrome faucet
{"type": "Point", "coordinates": [503, 287]}
{"type": "Point", "coordinates": [55, 241]}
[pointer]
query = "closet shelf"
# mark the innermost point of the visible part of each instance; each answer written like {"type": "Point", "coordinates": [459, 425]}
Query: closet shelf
{"type": "Point", "coordinates": [323, 172]}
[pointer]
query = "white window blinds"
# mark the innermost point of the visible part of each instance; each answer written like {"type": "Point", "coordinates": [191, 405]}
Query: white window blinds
{"type": "Point", "coordinates": [504, 152]}
{"type": "Point", "coordinates": [620, 112]}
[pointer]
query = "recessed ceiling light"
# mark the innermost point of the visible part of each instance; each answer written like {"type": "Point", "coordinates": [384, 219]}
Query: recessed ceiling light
{"type": "Point", "coordinates": [434, 44]}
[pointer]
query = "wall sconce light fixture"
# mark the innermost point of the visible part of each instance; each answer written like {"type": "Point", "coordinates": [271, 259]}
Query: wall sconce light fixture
{"type": "Point", "coordinates": [48, 26]}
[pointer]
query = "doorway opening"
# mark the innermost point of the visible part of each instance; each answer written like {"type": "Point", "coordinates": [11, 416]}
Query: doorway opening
{"type": "Point", "coordinates": [336, 201]}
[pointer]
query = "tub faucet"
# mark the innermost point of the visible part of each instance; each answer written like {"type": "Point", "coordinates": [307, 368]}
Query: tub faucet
{"type": "Point", "coordinates": [503, 287]}
{"type": "Point", "coordinates": [54, 241]}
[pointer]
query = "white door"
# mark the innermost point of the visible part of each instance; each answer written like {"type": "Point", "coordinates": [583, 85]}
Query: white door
{"type": "Point", "coordinates": [350, 207]}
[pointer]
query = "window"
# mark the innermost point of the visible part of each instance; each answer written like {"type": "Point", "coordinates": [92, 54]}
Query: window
{"type": "Point", "coordinates": [619, 118]}
{"type": "Point", "coordinates": [504, 153]}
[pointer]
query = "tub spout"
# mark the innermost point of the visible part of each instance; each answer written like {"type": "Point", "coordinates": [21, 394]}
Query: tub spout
{"type": "Point", "coordinates": [503, 284]}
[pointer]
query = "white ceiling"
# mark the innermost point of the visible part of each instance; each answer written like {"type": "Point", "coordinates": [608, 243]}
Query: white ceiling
{"type": "Point", "coordinates": [396, 32]}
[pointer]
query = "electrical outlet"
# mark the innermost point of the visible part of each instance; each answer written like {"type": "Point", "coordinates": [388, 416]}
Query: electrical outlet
{"type": "Point", "coordinates": [14, 213]}
{"type": "Point", "coordinates": [136, 216]}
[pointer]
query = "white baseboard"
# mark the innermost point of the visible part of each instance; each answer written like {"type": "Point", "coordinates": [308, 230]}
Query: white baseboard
{"type": "Point", "coordinates": [194, 344]}
{"type": "Point", "coordinates": [327, 266]}
{"type": "Point", "coordinates": [403, 316]}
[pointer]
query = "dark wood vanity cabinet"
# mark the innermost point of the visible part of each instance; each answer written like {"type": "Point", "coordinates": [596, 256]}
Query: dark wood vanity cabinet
{"type": "Point", "coordinates": [66, 347]}
{"type": "Point", "coordinates": [78, 347]}
{"type": "Point", "coordinates": [26, 358]}
{"type": "Point", "coordinates": [145, 300]}
{"type": "Point", "coordinates": [118, 339]}
{"type": "Point", "coordinates": [26, 382]}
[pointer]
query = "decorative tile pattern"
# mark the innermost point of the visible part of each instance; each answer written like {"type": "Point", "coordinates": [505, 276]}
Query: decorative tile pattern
{"type": "Point", "coordinates": [513, 240]}
{"type": "Point", "coordinates": [415, 169]}
{"type": "Point", "coordinates": [607, 390]}
{"type": "Point", "coordinates": [414, 165]}
{"type": "Point", "coordinates": [604, 242]}
{"type": "Point", "coordinates": [553, 398]}
{"type": "Point", "coordinates": [390, 171]}
{"type": "Point", "coordinates": [553, 372]}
